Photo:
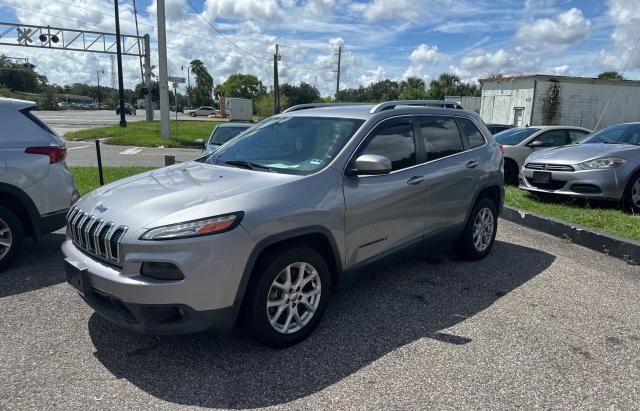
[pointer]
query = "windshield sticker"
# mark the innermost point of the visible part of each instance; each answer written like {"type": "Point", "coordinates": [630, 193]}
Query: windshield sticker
{"type": "Point", "coordinates": [315, 162]}
{"type": "Point", "coordinates": [280, 165]}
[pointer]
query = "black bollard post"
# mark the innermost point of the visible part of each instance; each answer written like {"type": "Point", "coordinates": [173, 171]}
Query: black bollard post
{"type": "Point", "coordinates": [99, 162]}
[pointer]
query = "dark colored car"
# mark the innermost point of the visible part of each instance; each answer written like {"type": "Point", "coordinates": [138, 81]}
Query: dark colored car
{"type": "Point", "coordinates": [180, 109]}
{"type": "Point", "coordinates": [128, 109]}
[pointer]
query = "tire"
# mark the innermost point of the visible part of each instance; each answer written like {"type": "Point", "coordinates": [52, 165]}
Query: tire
{"type": "Point", "coordinates": [192, 114]}
{"type": "Point", "coordinates": [12, 232]}
{"type": "Point", "coordinates": [510, 172]}
{"type": "Point", "coordinates": [262, 289]}
{"type": "Point", "coordinates": [631, 200]}
{"type": "Point", "coordinates": [483, 221]}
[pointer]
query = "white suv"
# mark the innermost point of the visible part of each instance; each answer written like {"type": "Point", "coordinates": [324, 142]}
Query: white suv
{"type": "Point", "coordinates": [36, 187]}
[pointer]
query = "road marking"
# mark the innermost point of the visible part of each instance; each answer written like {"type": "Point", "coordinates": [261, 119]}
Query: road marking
{"type": "Point", "coordinates": [77, 147]}
{"type": "Point", "coordinates": [131, 151]}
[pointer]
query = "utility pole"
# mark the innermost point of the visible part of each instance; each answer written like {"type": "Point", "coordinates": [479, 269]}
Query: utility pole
{"type": "Point", "coordinates": [338, 76]}
{"type": "Point", "coordinates": [148, 104]}
{"type": "Point", "coordinates": [99, 92]}
{"type": "Point", "coordinates": [123, 120]}
{"type": "Point", "coordinates": [188, 87]}
{"type": "Point", "coordinates": [276, 85]}
{"type": "Point", "coordinates": [162, 62]}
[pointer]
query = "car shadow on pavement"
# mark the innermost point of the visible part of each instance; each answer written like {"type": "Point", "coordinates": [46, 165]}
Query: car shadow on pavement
{"type": "Point", "coordinates": [364, 322]}
{"type": "Point", "coordinates": [41, 265]}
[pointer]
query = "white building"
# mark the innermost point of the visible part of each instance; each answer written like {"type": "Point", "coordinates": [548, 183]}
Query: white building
{"type": "Point", "coordinates": [558, 100]}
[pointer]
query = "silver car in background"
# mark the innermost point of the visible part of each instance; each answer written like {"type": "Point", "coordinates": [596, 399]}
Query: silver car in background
{"type": "Point", "coordinates": [274, 220]}
{"type": "Point", "coordinates": [519, 142]}
{"type": "Point", "coordinates": [604, 166]}
{"type": "Point", "coordinates": [221, 134]}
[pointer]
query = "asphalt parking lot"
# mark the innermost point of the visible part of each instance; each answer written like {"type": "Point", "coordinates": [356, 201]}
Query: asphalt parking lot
{"type": "Point", "coordinates": [540, 323]}
{"type": "Point", "coordinates": [83, 153]}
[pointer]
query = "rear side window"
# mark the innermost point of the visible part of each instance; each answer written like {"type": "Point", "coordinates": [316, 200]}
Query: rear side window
{"type": "Point", "coordinates": [28, 114]}
{"type": "Point", "coordinates": [576, 135]}
{"type": "Point", "coordinates": [554, 138]}
{"type": "Point", "coordinates": [440, 136]}
{"type": "Point", "coordinates": [471, 133]}
{"type": "Point", "coordinates": [396, 143]}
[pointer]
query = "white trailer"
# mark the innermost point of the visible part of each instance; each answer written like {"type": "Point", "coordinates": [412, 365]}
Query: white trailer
{"type": "Point", "coordinates": [238, 108]}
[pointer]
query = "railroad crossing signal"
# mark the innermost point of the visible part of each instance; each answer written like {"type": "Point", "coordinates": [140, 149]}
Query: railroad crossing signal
{"type": "Point", "coordinates": [24, 36]}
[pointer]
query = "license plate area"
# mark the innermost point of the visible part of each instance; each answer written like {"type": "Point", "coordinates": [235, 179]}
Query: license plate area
{"type": "Point", "coordinates": [77, 276]}
{"type": "Point", "coordinates": [542, 176]}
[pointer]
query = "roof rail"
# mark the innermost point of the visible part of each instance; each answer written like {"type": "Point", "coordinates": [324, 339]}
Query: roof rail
{"type": "Point", "coordinates": [388, 105]}
{"type": "Point", "coordinates": [317, 105]}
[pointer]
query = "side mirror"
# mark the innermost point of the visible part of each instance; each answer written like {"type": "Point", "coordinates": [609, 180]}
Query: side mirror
{"type": "Point", "coordinates": [538, 144]}
{"type": "Point", "coordinates": [372, 164]}
{"type": "Point", "coordinates": [199, 142]}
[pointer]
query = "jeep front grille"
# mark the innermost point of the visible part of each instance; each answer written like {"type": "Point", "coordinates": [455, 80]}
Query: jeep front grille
{"type": "Point", "coordinates": [95, 236]}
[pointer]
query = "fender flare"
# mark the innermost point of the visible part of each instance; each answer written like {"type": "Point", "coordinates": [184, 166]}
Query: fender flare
{"type": "Point", "coordinates": [27, 203]}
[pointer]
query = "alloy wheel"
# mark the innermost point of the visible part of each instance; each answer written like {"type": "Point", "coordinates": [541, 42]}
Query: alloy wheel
{"type": "Point", "coordinates": [294, 297]}
{"type": "Point", "coordinates": [5, 239]}
{"type": "Point", "coordinates": [483, 227]}
{"type": "Point", "coordinates": [635, 193]}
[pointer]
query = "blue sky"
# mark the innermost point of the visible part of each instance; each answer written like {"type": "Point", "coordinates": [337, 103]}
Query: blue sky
{"type": "Point", "coordinates": [380, 38]}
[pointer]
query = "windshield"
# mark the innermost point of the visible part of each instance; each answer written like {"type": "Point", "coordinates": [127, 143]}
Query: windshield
{"type": "Point", "coordinates": [515, 136]}
{"type": "Point", "coordinates": [618, 134]}
{"type": "Point", "coordinates": [223, 134]}
{"type": "Point", "coordinates": [293, 145]}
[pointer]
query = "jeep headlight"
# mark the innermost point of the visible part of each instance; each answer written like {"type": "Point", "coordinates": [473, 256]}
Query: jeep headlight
{"type": "Point", "coordinates": [195, 228]}
{"type": "Point", "coordinates": [604, 162]}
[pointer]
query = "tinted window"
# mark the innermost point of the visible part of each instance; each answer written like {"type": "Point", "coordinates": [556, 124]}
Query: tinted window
{"type": "Point", "coordinates": [618, 134]}
{"type": "Point", "coordinates": [223, 134]}
{"type": "Point", "coordinates": [441, 137]}
{"type": "Point", "coordinates": [576, 135]}
{"type": "Point", "coordinates": [396, 143]}
{"type": "Point", "coordinates": [471, 133]}
{"type": "Point", "coordinates": [515, 136]}
{"type": "Point", "coordinates": [553, 138]}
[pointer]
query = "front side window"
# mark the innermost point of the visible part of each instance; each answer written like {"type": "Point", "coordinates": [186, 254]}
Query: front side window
{"type": "Point", "coordinates": [223, 134]}
{"type": "Point", "coordinates": [553, 138]}
{"type": "Point", "coordinates": [292, 145]}
{"type": "Point", "coordinates": [440, 136]}
{"type": "Point", "coordinates": [471, 133]}
{"type": "Point", "coordinates": [396, 143]}
{"type": "Point", "coordinates": [576, 135]}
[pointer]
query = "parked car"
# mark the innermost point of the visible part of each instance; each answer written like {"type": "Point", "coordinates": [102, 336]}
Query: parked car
{"type": "Point", "coordinates": [128, 109]}
{"type": "Point", "coordinates": [496, 128]}
{"type": "Point", "coordinates": [221, 134]}
{"type": "Point", "coordinates": [603, 166]}
{"type": "Point", "coordinates": [519, 142]}
{"type": "Point", "coordinates": [180, 109]}
{"type": "Point", "coordinates": [36, 187]}
{"type": "Point", "coordinates": [268, 225]}
{"type": "Point", "coordinates": [202, 111]}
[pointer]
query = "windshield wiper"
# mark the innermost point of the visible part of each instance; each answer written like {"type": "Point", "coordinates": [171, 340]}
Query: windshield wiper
{"type": "Point", "coordinates": [248, 164]}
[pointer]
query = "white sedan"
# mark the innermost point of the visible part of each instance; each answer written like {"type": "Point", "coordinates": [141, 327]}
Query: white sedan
{"type": "Point", "coordinates": [203, 111]}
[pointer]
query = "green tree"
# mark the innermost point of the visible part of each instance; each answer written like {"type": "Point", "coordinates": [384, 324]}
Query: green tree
{"type": "Point", "coordinates": [610, 75]}
{"type": "Point", "coordinates": [301, 94]}
{"type": "Point", "coordinates": [20, 77]}
{"type": "Point", "coordinates": [448, 84]}
{"type": "Point", "coordinates": [201, 93]}
{"type": "Point", "coordinates": [242, 86]}
{"type": "Point", "coordinates": [413, 88]}
{"type": "Point", "coordinates": [264, 104]}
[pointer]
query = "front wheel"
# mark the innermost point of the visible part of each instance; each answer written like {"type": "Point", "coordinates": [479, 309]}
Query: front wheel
{"type": "Point", "coordinates": [192, 114]}
{"type": "Point", "coordinates": [287, 297]}
{"type": "Point", "coordinates": [11, 237]}
{"type": "Point", "coordinates": [632, 194]}
{"type": "Point", "coordinates": [480, 232]}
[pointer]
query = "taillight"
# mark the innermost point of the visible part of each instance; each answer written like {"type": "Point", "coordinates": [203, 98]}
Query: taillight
{"type": "Point", "coordinates": [501, 149]}
{"type": "Point", "coordinates": [56, 154]}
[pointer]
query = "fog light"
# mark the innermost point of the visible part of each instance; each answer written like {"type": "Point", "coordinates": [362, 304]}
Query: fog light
{"type": "Point", "coordinates": [161, 271]}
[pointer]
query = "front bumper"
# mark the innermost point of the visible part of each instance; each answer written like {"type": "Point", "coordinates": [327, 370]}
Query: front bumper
{"type": "Point", "coordinates": [590, 184]}
{"type": "Point", "coordinates": [205, 298]}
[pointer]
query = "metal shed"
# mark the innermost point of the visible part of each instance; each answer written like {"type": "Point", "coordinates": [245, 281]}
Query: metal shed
{"type": "Point", "coordinates": [559, 100]}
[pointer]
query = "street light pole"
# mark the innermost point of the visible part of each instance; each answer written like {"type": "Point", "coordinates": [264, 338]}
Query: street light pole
{"type": "Point", "coordinates": [162, 68]}
{"type": "Point", "coordinates": [188, 87]}
{"type": "Point", "coordinates": [99, 92]}
{"type": "Point", "coordinates": [123, 120]}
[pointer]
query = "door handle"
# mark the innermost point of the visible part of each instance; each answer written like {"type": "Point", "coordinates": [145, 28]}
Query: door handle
{"type": "Point", "coordinates": [415, 180]}
{"type": "Point", "coordinates": [472, 164]}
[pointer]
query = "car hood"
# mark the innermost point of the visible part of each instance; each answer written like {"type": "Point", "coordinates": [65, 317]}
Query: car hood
{"type": "Point", "coordinates": [178, 193]}
{"type": "Point", "coordinates": [577, 153]}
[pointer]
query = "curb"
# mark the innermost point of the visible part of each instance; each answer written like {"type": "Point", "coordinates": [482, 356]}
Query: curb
{"type": "Point", "coordinates": [612, 245]}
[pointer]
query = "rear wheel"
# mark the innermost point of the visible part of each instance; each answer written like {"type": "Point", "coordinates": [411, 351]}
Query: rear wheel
{"type": "Point", "coordinates": [11, 237]}
{"type": "Point", "coordinates": [480, 232]}
{"type": "Point", "coordinates": [286, 300]}
{"type": "Point", "coordinates": [510, 172]}
{"type": "Point", "coordinates": [632, 194]}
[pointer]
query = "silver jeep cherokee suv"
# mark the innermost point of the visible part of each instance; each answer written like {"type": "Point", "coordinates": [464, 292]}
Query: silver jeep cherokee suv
{"type": "Point", "coordinates": [281, 215]}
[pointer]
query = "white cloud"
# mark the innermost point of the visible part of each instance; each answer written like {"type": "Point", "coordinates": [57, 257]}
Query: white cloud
{"type": "Point", "coordinates": [413, 10]}
{"type": "Point", "coordinates": [501, 61]}
{"type": "Point", "coordinates": [268, 11]}
{"type": "Point", "coordinates": [557, 33]}
{"type": "Point", "coordinates": [371, 76]}
{"type": "Point", "coordinates": [625, 15]}
{"type": "Point", "coordinates": [563, 70]}
{"type": "Point", "coordinates": [424, 58]}
{"type": "Point", "coordinates": [465, 27]}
